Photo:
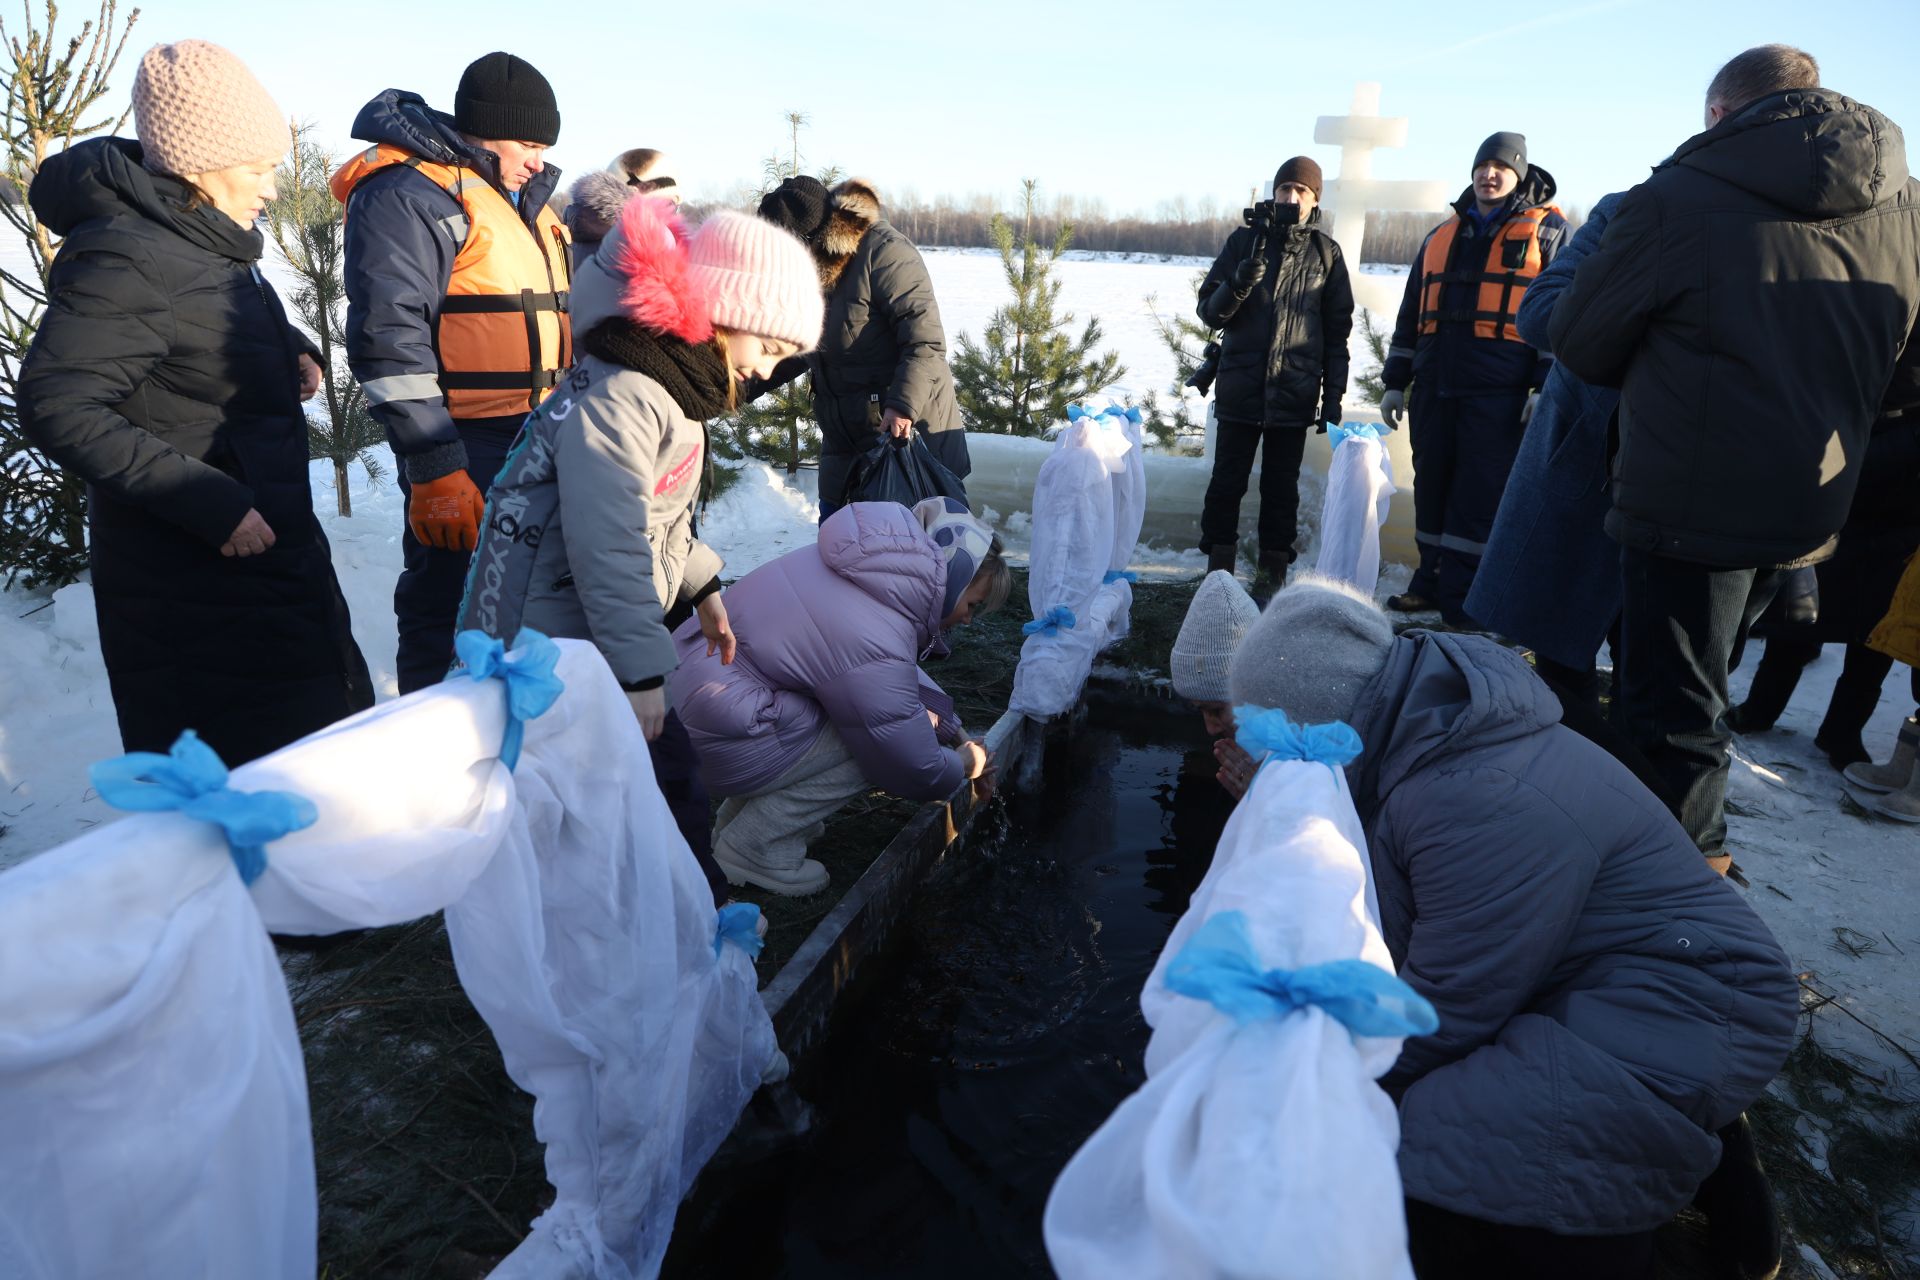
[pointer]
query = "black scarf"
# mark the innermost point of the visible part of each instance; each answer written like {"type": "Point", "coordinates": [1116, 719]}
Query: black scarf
{"type": "Point", "coordinates": [694, 375]}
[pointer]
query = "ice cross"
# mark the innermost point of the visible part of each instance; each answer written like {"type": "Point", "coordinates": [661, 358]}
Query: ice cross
{"type": "Point", "coordinates": [1348, 197]}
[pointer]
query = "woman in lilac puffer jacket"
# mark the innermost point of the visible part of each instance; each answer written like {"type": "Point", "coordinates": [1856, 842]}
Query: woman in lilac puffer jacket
{"type": "Point", "coordinates": [825, 698]}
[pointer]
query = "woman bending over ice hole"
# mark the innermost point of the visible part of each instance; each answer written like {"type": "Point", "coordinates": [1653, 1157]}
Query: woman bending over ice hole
{"type": "Point", "coordinates": [827, 700]}
{"type": "Point", "coordinates": [589, 527]}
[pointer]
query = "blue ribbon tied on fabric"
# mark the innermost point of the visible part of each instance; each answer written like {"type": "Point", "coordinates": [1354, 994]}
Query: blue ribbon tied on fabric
{"type": "Point", "coordinates": [1130, 413]}
{"type": "Point", "coordinates": [1220, 966]}
{"type": "Point", "coordinates": [1266, 731]}
{"type": "Point", "coordinates": [1339, 433]}
{"type": "Point", "coordinates": [1055, 620]}
{"type": "Point", "coordinates": [1119, 575]}
{"type": "Point", "coordinates": [192, 779]}
{"type": "Point", "coordinates": [739, 924]}
{"type": "Point", "coordinates": [527, 672]}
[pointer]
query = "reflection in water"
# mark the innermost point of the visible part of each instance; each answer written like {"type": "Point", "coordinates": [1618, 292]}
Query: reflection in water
{"type": "Point", "coordinates": [1002, 1033]}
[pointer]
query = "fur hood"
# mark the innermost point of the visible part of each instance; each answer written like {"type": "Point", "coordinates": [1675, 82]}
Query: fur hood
{"type": "Point", "coordinates": [856, 207]}
{"type": "Point", "coordinates": [594, 205]}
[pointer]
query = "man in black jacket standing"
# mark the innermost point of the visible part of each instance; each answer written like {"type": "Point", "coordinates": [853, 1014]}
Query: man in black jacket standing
{"type": "Point", "coordinates": [1750, 300]}
{"type": "Point", "coordinates": [1279, 290]}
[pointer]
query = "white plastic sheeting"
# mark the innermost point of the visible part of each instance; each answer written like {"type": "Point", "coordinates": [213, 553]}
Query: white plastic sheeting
{"type": "Point", "coordinates": [151, 1085]}
{"type": "Point", "coordinates": [1360, 491]}
{"type": "Point", "coordinates": [1077, 532]}
{"type": "Point", "coordinates": [1264, 1148]}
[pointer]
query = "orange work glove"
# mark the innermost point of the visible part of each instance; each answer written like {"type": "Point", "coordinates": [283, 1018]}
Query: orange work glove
{"type": "Point", "coordinates": [445, 513]}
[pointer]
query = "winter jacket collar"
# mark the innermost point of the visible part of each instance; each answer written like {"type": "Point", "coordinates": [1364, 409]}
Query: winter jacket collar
{"type": "Point", "coordinates": [1536, 191]}
{"type": "Point", "coordinates": [881, 548]}
{"type": "Point", "coordinates": [1438, 695]}
{"type": "Point", "coordinates": [855, 210]}
{"type": "Point", "coordinates": [103, 178]}
{"type": "Point", "coordinates": [404, 120]}
{"type": "Point", "coordinates": [1812, 152]}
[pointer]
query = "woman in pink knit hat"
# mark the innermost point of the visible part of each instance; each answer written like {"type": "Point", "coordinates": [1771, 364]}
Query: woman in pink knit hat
{"type": "Point", "coordinates": [165, 374]}
{"type": "Point", "coordinates": [588, 531]}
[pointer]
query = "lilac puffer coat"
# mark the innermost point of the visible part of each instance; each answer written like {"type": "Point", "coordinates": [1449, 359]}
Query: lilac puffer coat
{"type": "Point", "coordinates": [828, 634]}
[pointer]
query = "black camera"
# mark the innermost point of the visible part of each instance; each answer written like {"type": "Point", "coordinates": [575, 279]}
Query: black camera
{"type": "Point", "coordinates": [1269, 216]}
{"type": "Point", "coordinates": [1209, 368]}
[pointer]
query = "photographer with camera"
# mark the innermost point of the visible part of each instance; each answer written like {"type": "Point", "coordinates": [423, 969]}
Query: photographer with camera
{"type": "Point", "coordinates": [1280, 294]}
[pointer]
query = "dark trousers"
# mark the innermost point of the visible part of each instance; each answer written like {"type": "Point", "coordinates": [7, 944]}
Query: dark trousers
{"type": "Point", "coordinates": [1234, 446]}
{"type": "Point", "coordinates": [1855, 694]}
{"type": "Point", "coordinates": [1463, 451]}
{"type": "Point", "coordinates": [1444, 1245]}
{"type": "Point", "coordinates": [426, 599]}
{"type": "Point", "coordinates": [1580, 711]}
{"type": "Point", "coordinates": [676, 768]}
{"type": "Point", "coordinates": [1679, 626]}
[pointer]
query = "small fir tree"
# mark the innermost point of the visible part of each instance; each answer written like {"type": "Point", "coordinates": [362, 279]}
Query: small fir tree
{"type": "Point", "coordinates": [1185, 339]}
{"type": "Point", "coordinates": [53, 90]}
{"type": "Point", "coordinates": [1370, 384]}
{"type": "Point", "coordinates": [304, 221]}
{"type": "Point", "coordinates": [1024, 373]}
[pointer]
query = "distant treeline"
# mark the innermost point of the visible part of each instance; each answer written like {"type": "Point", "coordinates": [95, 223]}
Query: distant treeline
{"type": "Point", "coordinates": [1174, 230]}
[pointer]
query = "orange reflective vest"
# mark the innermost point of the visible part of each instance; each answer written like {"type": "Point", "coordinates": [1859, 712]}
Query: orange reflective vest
{"type": "Point", "coordinates": [502, 332]}
{"type": "Point", "coordinates": [1513, 260]}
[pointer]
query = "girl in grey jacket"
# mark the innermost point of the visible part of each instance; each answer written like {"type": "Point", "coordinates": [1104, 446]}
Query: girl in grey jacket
{"type": "Point", "coordinates": [588, 532]}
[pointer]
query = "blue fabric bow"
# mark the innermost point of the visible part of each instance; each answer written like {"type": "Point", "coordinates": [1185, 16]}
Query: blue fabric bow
{"type": "Point", "coordinates": [1266, 731]}
{"type": "Point", "coordinates": [1339, 433]}
{"type": "Point", "coordinates": [740, 925]}
{"type": "Point", "coordinates": [1057, 619]}
{"type": "Point", "coordinates": [1131, 413]}
{"type": "Point", "coordinates": [531, 685]}
{"type": "Point", "coordinates": [1120, 575]}
{"type": "Point", "coordinates": [1220, 966]}
{"type": "Point", "coordinates": [192, 779]}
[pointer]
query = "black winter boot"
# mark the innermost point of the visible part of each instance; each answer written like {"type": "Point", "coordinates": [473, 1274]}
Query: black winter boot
{"type": "Point", "coordinates": [1271, 575]}
{"type": "Point", "coordinates": [1222, 557]}
{"type": "Point", "coordinates": [1743, 1226]}
{"type": "Point", "coordinates": [1773, 684]}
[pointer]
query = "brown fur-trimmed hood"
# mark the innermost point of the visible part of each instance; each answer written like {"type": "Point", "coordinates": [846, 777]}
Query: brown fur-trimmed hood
{"type": "Point", "coordinates": [856, 207]}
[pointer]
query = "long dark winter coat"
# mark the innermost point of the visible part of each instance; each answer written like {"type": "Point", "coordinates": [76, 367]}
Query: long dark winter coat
{"type": "Point", "coordinates": [1283, 352]}
{"type": "Point", "coordinates": [1750, 299]}
{"type": "Point", "coordinates": [1550, 577]}
{"type": "Point", "coordinates": [883, 346]}
{"type": "Point", "coordinates": [165, 373]}
{"type": "Point", "coordinates": [1606, 1001]}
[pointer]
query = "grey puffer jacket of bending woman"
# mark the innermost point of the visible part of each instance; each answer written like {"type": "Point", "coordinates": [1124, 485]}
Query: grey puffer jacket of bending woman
{"type": "Point", "coordinates": [1606, 1001]}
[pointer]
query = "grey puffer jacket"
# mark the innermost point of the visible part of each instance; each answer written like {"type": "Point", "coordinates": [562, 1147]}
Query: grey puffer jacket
{"type": "Point", "coordinates": [1606, 1002]}
{"type": "Point", "coordinates": [589, 528]}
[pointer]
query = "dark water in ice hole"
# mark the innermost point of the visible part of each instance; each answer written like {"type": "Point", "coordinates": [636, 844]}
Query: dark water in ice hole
{"type": "Point", "coordinates": [1004, 1029]}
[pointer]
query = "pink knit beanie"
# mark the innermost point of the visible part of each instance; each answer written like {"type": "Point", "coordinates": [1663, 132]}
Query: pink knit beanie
{"type": "Point", "coordinates": [759, 279]}
{"type": "Point", "coordinates": [196, 109]}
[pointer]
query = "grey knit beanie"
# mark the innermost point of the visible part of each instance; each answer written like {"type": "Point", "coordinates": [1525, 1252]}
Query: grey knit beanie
{"type": "Point", "coordinates": [1313, 652]}
{"type": "Point", "coordinates": [1216, 621]}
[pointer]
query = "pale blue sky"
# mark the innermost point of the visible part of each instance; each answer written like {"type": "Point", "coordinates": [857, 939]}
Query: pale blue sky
{"type": "Point", "coordinates": [1128, 101]}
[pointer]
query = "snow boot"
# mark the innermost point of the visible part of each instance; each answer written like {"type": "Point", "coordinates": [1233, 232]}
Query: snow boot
{"type": "Point", "coordinates": [1221, 557]}
{"type": "Point", "coordinates": [1743, 1224]}
{"type": "Point", "coordinates": [1902, 805]}
{"type": "Point", "coordinates": [1408, 602]}
{"type": "Point", "coordinates": [808, 878]}
{"type": "Point", "coordinates": [1271, 575]}
{"type": "Point", "coordinates": [1894, 774]}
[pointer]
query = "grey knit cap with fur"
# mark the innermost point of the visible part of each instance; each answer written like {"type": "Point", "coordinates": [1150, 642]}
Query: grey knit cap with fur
{"type": "Point", "coordinates": [1313, 652]}
{"type": "Point", "coordinates": [1216, 621]}
{"type": "Point", "coordinates": [593, 206]}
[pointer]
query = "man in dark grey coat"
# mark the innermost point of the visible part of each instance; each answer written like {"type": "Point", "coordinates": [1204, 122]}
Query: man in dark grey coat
{"type": "Point", "coordinates": [1750, 300]}
{"type": "Point", "coordinates": [881, 368]}
{"type": "Point", "coordinates": [1608, 1006]}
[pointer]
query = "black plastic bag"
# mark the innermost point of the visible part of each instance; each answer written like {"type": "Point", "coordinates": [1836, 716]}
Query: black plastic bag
{"type": "Point", "coordinates": [903, 471]}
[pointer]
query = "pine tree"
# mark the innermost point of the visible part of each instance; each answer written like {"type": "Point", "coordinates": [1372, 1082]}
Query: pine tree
{"type": "Point", "coordinates": [1024, 373]}
{"type": "Point", "coordinates": [52, 89]}
{"type": "Point", "coordinates": [1371, 387]}
{"type": "Point", "coordinates": [304, 221]}
{"type": "Point", "coordinates": [1186, 339]}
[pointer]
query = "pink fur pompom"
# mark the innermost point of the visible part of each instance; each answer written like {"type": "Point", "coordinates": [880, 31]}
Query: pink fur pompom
{"type": "Point", "coordinates": [661, 293]}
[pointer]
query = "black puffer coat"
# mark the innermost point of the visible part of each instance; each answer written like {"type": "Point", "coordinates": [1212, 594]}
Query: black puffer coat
{"type": "Point", "coordinates": [1283, 355]}
{"type": "Point", "coordinates": [1750, 299]}
{"type": "Point", "coordinates": [165, 373]}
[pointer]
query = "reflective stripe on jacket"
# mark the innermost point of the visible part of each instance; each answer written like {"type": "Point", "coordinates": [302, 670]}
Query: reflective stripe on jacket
{"type": "Point", "coordinates": [502, 331]}
{"type": "Point", "coordinates": [1513, 261]}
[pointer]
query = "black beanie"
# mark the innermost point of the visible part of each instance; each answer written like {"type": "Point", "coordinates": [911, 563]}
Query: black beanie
{"type": "Point", "coordinates": [1509, 149]}
{"type": "Point", "coordinates": [1301, 169]}
{"type": "Point", "coordinates": [799, 205]}
{"type": "Point", "coordinates": [503, 97]}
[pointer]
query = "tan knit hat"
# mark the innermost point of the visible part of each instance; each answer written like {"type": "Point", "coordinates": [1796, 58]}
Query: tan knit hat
{"type": "Point", "coordinates": [758, 279]}
{"type": "Point", "coordinates": [197, 109]}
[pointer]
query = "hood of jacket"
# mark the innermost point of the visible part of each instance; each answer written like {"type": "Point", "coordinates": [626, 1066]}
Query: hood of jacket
{"type": "Point", "coordinates": [1535, 191]}
{"type": "Point", "coordinates": [881, 548]}
{"type": "Point", "coordinates": [402, 119]}
{"type": "Point", "coordinates": [855, 210]}
{"type": "Point", "coordinates": [103, 178]}
{"type": "Point", "coordinates": [1440, 694]}
{"type": "Point", "coordinates": [1812, 152]}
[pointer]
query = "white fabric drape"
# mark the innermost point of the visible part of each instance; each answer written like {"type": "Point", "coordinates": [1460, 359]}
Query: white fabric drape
{"type": "Point", "coordinates": [1360, 489]}
{"type": "Point", "coordinates": [1264, 1149]}
{"type": "Point", "coordinates": [151, 1085]}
